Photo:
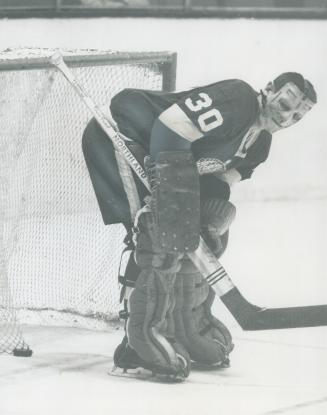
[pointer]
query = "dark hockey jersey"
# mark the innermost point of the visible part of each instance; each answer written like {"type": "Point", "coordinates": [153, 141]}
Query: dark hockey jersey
{"type": "Point", "coordinates": [214, 118]}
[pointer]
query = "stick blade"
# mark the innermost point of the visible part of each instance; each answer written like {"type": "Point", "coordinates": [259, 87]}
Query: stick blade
{"type": "Point", "coordinates": [251, 317]}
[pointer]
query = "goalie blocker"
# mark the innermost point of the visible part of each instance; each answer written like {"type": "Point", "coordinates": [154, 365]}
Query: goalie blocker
{"type": "Point", "coordinates": [175, 201]}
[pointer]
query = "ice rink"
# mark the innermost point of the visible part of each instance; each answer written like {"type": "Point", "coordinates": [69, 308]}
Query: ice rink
{"type": "Point", "coordinates": [276, 255]}
{"type": "Point", "coordinates": [68, 375]}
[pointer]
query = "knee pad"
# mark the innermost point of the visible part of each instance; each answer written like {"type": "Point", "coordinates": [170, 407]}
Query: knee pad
{"type": "Point", "coordinates": [205, 338]}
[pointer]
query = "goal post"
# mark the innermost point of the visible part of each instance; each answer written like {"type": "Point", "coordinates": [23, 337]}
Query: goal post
{"type": "Point", "coordinates": [58, 262]}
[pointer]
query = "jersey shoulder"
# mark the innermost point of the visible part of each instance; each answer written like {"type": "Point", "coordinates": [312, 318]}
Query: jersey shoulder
{"type": "Point", "coordinates": [234, 91]}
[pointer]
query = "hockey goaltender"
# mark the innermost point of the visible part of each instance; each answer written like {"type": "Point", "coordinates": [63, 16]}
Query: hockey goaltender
{"type": "Point", "coordinates": [194, 145]}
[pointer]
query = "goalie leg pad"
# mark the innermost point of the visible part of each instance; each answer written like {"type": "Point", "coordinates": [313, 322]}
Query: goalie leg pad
{"type": "Point", "coordinates": [207, 340]}
{"type": "Point", "coordinates": [148, 251]}
{"type": "Point", "coordinates": [150, 327]}
{"type": "Point", "coordinates": [176, 201]}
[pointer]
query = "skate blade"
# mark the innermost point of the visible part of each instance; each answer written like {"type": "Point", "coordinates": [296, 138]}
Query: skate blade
{"type": "Point", "coordinates": [215, 367]}
{"type": "Point", "coordinates": [144, 375]}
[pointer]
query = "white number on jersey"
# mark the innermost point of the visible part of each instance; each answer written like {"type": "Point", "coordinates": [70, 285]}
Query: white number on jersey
{"type": "Point", "coordinates": [204, 102]}
{"type": "Point", "coordinates": [209, 119]}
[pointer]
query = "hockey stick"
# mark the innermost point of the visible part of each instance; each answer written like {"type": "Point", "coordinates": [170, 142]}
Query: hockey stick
{"type": "Point", "coordinates": [249, 316]}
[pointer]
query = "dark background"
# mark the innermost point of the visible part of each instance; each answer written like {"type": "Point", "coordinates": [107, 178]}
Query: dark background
{"type": "Point", "coordinates": [170, 8]}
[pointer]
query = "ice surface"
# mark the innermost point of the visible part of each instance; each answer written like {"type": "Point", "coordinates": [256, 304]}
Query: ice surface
{"type": "Point", "coordinates": [277, 246]}
{"type": "Point", "coordinates": [68, 375]}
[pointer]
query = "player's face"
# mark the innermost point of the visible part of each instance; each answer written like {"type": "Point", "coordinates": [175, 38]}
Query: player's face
{"type": "Point", "coordinates": [285, 107]}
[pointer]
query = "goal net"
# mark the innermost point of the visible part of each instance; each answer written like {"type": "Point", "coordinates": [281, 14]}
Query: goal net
{"type": "Point", "coordinates": [58, 262]}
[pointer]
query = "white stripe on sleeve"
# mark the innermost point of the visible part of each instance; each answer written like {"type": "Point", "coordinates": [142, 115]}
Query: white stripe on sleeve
{"type": "Point", "coordinates": [176, 120]}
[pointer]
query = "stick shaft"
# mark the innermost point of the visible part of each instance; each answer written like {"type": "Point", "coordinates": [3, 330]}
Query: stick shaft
{"type": "Point", "coordinates": [203, 258]}
{"type": "Point", "coordinates": [117, 140]}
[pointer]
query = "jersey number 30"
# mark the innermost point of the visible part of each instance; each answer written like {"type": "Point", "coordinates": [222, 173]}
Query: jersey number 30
{"type": "Point", "coordinates": [209, 119]}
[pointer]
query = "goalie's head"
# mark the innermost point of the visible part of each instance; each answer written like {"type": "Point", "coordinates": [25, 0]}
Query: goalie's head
{"type": "Point", "coordinates": [286, 100]}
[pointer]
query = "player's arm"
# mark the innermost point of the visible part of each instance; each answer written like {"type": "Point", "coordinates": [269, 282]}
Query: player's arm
{"type": "Point", "coordinates": [173, 169]}
{"type": "Point", "coordinates": [257, 154]}
{"type": "Point", "coordinates": [191, 118]}
{"type": "Point", "coordinates": [164, 138]}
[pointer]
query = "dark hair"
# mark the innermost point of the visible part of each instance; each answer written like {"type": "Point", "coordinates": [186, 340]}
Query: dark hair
{"type": "Point", "coordinates": [303, 84]}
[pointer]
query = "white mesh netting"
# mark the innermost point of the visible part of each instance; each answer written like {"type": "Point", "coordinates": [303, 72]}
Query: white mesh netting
{"type": "Point", "coordinates": [58, 262]}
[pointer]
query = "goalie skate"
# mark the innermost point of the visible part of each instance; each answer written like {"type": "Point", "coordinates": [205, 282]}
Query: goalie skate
{"type": "Point", "coordinates": [128, 364]}
{"type": "Point", "coordinates": [146, 375]}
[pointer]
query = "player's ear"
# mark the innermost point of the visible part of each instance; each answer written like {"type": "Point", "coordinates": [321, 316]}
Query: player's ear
{"type": "Point", "coordinates": [269, 87]}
